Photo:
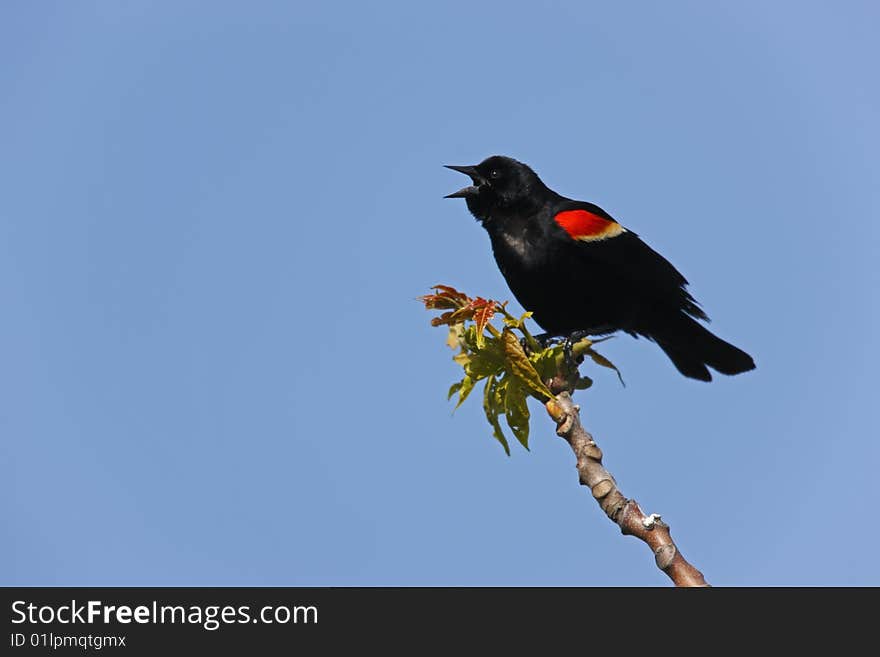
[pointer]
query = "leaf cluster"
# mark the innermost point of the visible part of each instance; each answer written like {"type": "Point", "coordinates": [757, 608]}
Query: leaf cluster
{"type": "Point", "coordinates": [508, 358]}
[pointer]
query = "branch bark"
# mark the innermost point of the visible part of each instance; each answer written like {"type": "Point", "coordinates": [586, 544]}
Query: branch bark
{"type": "Point", "coordinates": [624, 512]}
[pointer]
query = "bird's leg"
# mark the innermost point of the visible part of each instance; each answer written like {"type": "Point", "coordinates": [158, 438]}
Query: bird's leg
{"type": "Point", "coordinates": [567, 345]}
{"type": "Point", "coordinates": [544, 340]}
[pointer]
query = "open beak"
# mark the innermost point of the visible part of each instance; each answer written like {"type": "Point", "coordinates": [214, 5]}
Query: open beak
{"type": "Point", "coordinates": [470, 190]}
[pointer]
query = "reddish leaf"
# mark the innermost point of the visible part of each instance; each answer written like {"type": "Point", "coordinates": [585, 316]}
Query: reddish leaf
{"type": "Point", "coordinates": [445, 318]}
{"type": "Point", "coordinates": [483, 313]}
{"type": "Point", "coordinates": [445, 298]}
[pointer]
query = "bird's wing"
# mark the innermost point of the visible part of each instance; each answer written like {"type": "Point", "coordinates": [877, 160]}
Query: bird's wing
{"type": "Point", "coordinates": [601, 238]}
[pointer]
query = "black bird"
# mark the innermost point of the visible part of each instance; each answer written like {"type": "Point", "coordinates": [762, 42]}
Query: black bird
{"type": "Point", "coordinates": [581, 273]}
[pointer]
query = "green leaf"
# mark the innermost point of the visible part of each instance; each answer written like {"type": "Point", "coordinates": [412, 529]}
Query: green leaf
{"type": "Point", "coordinates": [470, 337]}
{"type": "Point", "coordinates": [516, 410]}
{"type": "Point", "coordinates": [583, 383]}
{"type": "Point", "coordinates": [515, 323]}
{"type": "Point", "coordinates": [454, 388]}
{"type": "Point", "coordinates": [547, 362]}
{"type": "Point", "coordinates": [454, 338]}
{"type": "Point", "coordinates": [492, 412]}
{"type": "Point", "coordinates": [486, 361]}
{"type": "Point", "coordinates": [520, 366]}
{"type": "Point", "coordinates": [467, 384]}
{"type": "Point", "coordinates": [599, 359]}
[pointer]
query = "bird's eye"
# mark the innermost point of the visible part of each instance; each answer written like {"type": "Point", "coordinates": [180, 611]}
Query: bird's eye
{"type": "Point", "coordinates": [495, 174]}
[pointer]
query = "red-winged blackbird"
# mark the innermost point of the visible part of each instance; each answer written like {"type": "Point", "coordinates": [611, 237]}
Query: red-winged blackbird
{"type": "Point", "coordinates": [580, 272]}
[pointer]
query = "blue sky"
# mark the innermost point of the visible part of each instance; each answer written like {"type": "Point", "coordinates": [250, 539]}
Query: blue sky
{"type": "Point", "coordinates": [215, 219]}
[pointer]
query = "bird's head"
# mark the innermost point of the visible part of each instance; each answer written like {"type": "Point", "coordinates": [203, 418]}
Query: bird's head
{"type": "Point", "coordinates": [499, 184]}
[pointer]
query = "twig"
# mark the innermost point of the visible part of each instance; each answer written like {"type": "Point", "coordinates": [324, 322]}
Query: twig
{"type": "Point", "coordinates": [626, 513]}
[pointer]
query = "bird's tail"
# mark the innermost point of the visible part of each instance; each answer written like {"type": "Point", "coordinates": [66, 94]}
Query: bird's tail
{"type": "Point", "coordinates": [691, 347]}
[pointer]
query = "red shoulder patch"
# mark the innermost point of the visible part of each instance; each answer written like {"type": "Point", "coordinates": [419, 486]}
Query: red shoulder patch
{"type": "Point", "coordinates": [586, 226]}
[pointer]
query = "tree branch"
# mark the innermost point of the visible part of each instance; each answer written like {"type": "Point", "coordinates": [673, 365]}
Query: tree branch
{"type": "Point", "coordinates": [551, 373]}
{"type": "Point", "coordinates": [620, 510]}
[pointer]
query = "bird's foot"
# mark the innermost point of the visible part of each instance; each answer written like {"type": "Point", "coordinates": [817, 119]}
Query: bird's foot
{"type": "Point", "coordinates": [567, 346]}
{"type": "Point", "coordinates": [543, 340]}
